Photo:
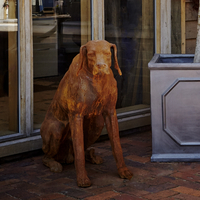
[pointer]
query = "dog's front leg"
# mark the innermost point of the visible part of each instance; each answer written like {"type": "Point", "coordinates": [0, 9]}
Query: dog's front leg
{"type": "Point", "coordinates": [76, 126]}
{"type": "Point", "coordinates": [113, 132]}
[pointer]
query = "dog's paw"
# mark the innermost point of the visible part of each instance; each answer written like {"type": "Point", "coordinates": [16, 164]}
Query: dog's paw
{"type": "Point", "coordinates": [84, 182]}
{"type": "Point", "coordinates": [52, 164]}
{"type": "Point", "coordinates": [55, 166]}
{"type": "Point", "coordinates": [69, 159]}
{"type": "Point", "coordinates": [98, 160]}
{"type": "Point", "coordinates": [124, 172]}
{"type": "Point", "coordinates": [91, 157]}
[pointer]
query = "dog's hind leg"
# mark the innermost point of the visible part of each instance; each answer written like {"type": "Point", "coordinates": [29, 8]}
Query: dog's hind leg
{"type": "Point", "coordinates": [66, 153]}
{"type": "Point", "coordinates": [92, 130]}
{"type": "Point", "coordinates": [51, 133]}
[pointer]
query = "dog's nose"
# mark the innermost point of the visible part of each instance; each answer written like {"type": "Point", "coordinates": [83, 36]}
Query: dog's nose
{"type": "Point", "coordinates": [100, 65]}
{"type": "Point", "coordinates": [100, 68]}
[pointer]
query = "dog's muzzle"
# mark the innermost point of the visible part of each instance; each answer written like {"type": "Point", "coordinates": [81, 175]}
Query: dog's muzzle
{"type": "Point", "coordinates": [101, 69]}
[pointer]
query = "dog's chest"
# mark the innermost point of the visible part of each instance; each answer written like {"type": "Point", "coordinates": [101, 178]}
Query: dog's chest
{"type": "Point", "coordinates": [96, 97]}
{"type": "Point", "coordinates": [98, 106]}
{"type": "Point", "coordinates": [97, 101]}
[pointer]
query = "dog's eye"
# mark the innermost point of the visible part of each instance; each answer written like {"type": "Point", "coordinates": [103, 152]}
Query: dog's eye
{"type": "Point", "coordinates": [91, 54]}
{"type": "Point", "coordinates": [108, 54]}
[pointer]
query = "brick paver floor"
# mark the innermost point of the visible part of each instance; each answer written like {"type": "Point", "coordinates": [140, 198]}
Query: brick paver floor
{"type": "Point", "coordinates": [30, 179]}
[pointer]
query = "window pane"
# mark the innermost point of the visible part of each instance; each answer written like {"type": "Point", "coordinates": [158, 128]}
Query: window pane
{"type": "Point", "coordinates": [8, 68]}
{"type": "Point", "coordinates": [59, 29]}
{"type": "Point", "coordinates": [129, 25]}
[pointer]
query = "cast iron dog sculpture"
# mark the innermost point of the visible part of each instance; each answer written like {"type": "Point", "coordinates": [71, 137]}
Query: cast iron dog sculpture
{"type": "Point", "coordinates": [85, 99]}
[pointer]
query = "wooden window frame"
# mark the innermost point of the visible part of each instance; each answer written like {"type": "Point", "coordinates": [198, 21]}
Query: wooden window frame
{"type": "Point", "coordinates": [163, 26]}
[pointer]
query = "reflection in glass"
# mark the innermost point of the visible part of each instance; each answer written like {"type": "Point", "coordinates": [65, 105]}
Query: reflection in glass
{"type": "Point", "coordinates": [8, 68]}
{"type": "Point", "coordinates": [59, 29]}
{"type": "Point", "coordinates": [129, 25]}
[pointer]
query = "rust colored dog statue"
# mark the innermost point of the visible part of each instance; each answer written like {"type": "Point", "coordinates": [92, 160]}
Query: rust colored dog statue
{"type": "Point", "coordinates": [85, 99]}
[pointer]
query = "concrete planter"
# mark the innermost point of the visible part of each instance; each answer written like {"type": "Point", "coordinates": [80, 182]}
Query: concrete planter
{"type": "Point", "coordinates": [175, 108]}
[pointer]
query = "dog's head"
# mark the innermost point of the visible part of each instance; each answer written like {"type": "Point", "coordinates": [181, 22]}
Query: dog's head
{"type": "Point", "coordinates": [98, 58]}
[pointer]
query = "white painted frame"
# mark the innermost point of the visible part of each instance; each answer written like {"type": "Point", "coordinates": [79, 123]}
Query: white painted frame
{"type": "Point", "coordinates": [26, 67]}
{"type": "Point", "coordinates": [98, 22]}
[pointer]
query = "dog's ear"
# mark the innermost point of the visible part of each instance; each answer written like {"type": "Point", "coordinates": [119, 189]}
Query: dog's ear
{"type": "Point", "coordinates": [81, 58]}
{"type": "Point", "coordinates": [115, 59]}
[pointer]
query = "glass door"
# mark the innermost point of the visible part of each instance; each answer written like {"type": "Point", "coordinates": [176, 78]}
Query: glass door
{"type": "Point", "coordinates": [130, 25]}
{"type": "Point", "coordinates": [9, 122]}
{"type": "Point", "coordinates": [59, 29]}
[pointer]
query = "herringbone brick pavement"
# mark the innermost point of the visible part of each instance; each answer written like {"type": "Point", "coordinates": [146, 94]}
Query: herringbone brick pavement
{"type": "Point", "coordinates": [30, 179]}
